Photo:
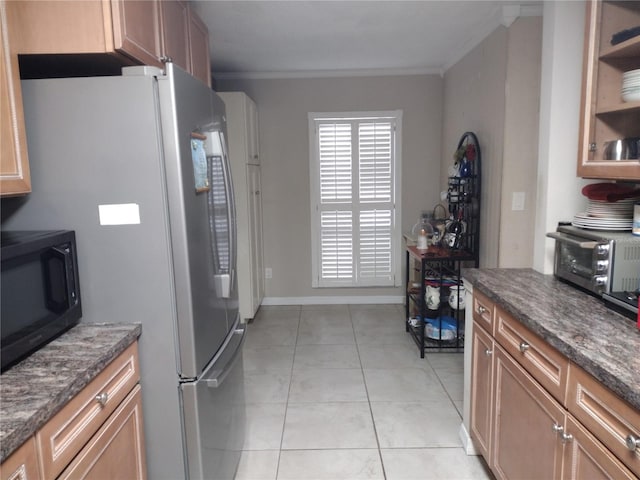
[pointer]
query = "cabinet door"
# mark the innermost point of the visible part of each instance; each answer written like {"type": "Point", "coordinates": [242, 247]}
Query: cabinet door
{"type": "Point", "coordinates": [22, 464]}
{"type": "Point", "coordinates": [605, 115]}
{"type": "Point", "coordinates": [117, 449]}
{"type": "Point", "coordinates": [175, 32]}
{"type": "Point", "coordinates": [481, 390]}
{"type": "Point", "coordinates": [524, 444]}
{"type": "Point", "coordinates": [586, 458]}
{"type": "Point", "coordinates": [255, 225]}
{"type": "Point", "coordinates": [199, 47]}
{"type": "Point", "coordinates": [136, 29]}
{"type": "Point", "coordinates": [252, 133]}
{"type": "Point", "coordinates": [14, 163]}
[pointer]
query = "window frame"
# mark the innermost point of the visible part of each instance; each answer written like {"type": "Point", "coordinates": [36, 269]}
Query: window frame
{"type": "Point", "coordinates": [314, 119]}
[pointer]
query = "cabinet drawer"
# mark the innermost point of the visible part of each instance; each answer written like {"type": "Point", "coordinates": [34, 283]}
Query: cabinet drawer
{"type": "Point", "coordinates": [70, 429]}
{"type": "Point", "coordinates": [542, 361]}
{"type": "Point", "coordinates": [604, 414]}
{"type": "Point", "coordinates": [22, 464]}
{"type": "Point", "coordinates": [116, 451]}
{"type": "Point", "coordinates": [483, 311]}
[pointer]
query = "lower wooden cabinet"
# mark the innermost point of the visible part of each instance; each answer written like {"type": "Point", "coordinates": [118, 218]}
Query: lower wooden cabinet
{"type": "Point", "coordinates": [604, 414]}
{"type": "Point", "coordinates": [117, 449]}
{"type": "Point", "coordinates": [535, 415]}
{"type": "Point", "coordinates": [98, 434]}
{"type": "Point", "coordinates": [481, 390]}
{"type": "Point", "coordinates": [586, 458]}
{"type": "Point", "coordinates": [22, 464]}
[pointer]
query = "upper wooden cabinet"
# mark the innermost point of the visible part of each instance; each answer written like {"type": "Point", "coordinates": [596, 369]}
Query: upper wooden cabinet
{"type": "Point", "coordinates": [604, 115]}
{"type": "Point", "coordinates": [200, 62]}
{"type": "Point", "coordinates": [126, 27]}
{"type": "Point", "coordinates": [175, 32]}
{"type": "Point", "coordinates": [14, 164]}
{"type": "Point", "coordinates": [120, 32]}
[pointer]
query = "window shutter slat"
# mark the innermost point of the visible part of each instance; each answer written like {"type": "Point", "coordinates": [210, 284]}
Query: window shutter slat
{"type": "Point", "coordinates": [336, 243]}
{"type": "Point", "coordinates": [335, 162]}
{"type": "Point", "coordinates": [375, 161]}
{"type": "Point", "coordinates": [375, 244]}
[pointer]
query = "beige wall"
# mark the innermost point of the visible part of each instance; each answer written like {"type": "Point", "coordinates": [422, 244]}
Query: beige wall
{"type": "Point", "coordinates": [283, 105]}
{"type": "Point", "coordinates": [520, 160]}
{"type": "Point", "coordinates": [474, 101]}
{"type": "Point", "coordinates": [494, 91]}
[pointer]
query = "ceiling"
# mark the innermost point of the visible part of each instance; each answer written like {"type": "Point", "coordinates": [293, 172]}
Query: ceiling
{"type": "Point", "coordinates": [274, 38]}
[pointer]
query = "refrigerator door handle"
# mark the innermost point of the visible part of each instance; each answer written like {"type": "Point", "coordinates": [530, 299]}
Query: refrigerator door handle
{"type": "Point", "coordinates": [220, 175]}
{"type": "Point", "coordinates": [215, 375]}
{"type": "Point", "coordinates": [231, 209]}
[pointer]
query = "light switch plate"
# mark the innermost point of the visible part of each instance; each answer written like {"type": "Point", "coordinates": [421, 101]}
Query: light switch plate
{"type": "Point", "coordinates": [517, 201]}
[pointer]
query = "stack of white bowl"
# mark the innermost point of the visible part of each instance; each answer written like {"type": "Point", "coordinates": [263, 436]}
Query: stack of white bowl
{"type": "Point", "coordinates": [631, 86]}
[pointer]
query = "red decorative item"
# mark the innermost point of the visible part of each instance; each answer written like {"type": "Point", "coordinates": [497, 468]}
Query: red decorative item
{"type": "Point", "coordinates": [471, 152]}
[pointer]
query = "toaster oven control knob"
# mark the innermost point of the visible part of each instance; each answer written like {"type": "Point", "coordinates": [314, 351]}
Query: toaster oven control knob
{"type": "Point", "coordinates": [602, 249]}
{"type": "Point", "coordinates": [602, 265]}
{"type": "Point", "coordinates": [600, 280]}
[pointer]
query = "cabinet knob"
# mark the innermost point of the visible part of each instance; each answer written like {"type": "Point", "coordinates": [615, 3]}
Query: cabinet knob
{"type": "Point", "coordinates": [524, 346]}
{"type": "Point", "coordinates": [633, 442]}
{"type": "Point", "coordinates": [165, 59]}
{"type": "Point", "coordinates": [481, 309]}
{"type": "Point", "coordinates": [556, 428]}
{"type": "Point", "coordinates": [566, 437]}
{"type": "Point", "coordinates": [102, 398]}
{"type": "Point", "coordinates": [488, 352]}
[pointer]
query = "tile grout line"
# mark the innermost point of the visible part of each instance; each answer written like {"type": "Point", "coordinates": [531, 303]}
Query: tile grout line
{"type": "Point", "coordinates": [366, 389]}
{"type": "Point", "coordinates": [286, 404]}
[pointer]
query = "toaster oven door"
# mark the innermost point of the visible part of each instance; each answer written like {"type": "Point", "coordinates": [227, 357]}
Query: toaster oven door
{"type": "Point", "coordinates": [583, 262]}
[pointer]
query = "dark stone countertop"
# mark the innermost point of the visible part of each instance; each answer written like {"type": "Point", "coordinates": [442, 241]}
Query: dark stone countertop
{"type": "Point", "coordinates": [35, 389]}
{"type": "Point", "coordinates": [602, 342]}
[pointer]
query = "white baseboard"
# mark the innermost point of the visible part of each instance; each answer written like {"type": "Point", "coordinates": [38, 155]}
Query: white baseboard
{"type": "Point", "coordinates": [356, 300]}
{"type": "Point", "coordinates": [467, 443]}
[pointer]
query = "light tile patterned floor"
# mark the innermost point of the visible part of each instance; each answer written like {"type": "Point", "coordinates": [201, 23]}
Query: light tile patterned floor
{"type": "Point", "coordinates": [340, 392]}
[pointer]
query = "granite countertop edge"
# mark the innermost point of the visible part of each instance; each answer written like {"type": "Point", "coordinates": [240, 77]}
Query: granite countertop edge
{"type": "Point", "coordinates": [579, 334]}
{"type": "Point", "coordinates": [37, 388]}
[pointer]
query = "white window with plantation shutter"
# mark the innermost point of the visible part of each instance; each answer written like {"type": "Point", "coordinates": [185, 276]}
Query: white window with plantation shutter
{"type": "Point", "coordinates": [355, 198]}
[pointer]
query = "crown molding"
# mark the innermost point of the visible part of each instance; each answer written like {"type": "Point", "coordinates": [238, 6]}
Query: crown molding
{"type": "Point", "coordinates": [374, 72]}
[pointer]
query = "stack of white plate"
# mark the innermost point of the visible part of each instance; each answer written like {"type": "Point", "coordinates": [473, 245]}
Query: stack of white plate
{"type": "Point", "coordinates": [631, 86]}
{"type": "Point", "coordinates": [602, 215]}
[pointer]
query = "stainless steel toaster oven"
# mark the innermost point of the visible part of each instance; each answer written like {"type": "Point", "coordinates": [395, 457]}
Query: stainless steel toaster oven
{"type": "Point", "coordinates": [599, 261]}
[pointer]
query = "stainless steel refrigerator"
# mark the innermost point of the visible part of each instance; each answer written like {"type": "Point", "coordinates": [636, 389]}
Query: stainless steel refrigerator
{"type": "Point", "coordinates": [137, 165]}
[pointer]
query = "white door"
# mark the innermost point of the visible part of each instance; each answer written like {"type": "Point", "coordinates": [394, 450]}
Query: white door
{"type": "Point", "coordinates": [255, 224]}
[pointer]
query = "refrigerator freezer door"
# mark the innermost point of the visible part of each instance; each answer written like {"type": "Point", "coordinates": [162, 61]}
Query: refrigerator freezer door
{"type": "Point", "coordinates": [186, 109]}
{"type": "Point", "coordinates": [96, 141]}
{"type": "Point", "coordinates": [214, 414]}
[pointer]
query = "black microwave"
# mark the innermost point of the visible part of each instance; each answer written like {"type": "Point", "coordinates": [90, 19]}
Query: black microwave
{"type": "Point", "coordinates": [40, 296]}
